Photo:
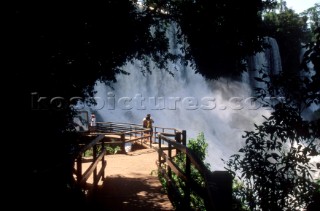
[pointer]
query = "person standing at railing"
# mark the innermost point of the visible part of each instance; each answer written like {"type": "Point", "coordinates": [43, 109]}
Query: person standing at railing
{"type": "Point", "coordinates": [93, 122]}
{"type": "Point", "coordinates": [147, 122]}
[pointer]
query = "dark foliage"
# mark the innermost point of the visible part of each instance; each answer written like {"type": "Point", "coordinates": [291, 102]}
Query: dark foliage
{"type": "Point", "coordinates": [58, 49]}
{"type": "Point", "coordinates": [220, 34]}
{"type": "Point", "coordinates": [290, 30]}
{"type": "Point", "coordinates": [274, 164]}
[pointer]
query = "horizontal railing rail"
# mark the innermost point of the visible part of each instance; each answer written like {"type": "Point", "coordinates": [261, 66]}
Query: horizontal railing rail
{"type": "Point", "coordinates": [217, 191]}
{"type": "Point", "coordinates": [171, 142]}
{"type": "Point", "coordinates": [98, 155]}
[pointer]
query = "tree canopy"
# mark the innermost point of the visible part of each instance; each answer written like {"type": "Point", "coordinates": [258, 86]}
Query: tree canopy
{"type": "Point", "coordinates": [61, 48]}
{"type": "Point", "coordinates": [274, 166]}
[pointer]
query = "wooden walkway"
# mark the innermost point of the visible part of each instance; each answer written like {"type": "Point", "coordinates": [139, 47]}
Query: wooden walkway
{"type": "Point", "coordinates": [127, 179]}
{"type": "Point", "coordinates": [131, 183]}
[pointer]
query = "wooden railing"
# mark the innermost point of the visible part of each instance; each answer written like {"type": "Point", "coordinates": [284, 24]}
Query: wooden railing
{"type": "Point", "coordinates": [123, 133]}
{"type": "Point", "coordinates": [217, 191]}
{"type": "Point", "coordinates": [97, 156]}
{"type": "Point", "coordinates": [99, 137]}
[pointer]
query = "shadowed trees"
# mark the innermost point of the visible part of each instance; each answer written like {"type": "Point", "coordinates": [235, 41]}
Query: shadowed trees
{"type": "Point", "coordinates": [274, 166]}
{"type": "Point", "coordinates": [61, 48]}
{"type": "Point", "coordinates": [218, 34]}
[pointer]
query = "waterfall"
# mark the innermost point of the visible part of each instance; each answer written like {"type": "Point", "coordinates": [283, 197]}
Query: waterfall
{"type": "Point", "coordinates": [269, 60]}
{"type": "Point", "coordinates": [308, 113]}
{"type": "Point", "coordinates": [222, 109]}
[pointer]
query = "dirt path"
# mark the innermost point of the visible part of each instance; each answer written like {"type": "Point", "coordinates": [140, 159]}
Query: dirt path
{"type": "Point", "coordinates": [132, 183]}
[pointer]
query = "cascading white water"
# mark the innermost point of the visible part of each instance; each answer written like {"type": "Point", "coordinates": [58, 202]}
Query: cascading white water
{"type": "Point", "coordinates": [308, 113]}
{"type": "Point", "coordinates": [269, 60]}
{"type": "Point", "coordinates": [222, 109]}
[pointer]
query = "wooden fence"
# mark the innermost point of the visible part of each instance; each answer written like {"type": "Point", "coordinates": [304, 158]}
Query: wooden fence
{"type": "Point", "coordinates": [122, 133]}
{"type": "Point", "coordinates": [217, 189]}
{"type": "Point", "coordinates": [97, 156]}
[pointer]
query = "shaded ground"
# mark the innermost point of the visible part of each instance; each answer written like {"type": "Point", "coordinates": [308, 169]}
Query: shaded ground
{"type": "Point", "coordinates": [132, 183]}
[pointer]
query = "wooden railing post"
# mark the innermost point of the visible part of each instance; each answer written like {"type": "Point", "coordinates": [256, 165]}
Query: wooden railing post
{"type": "Point", "coordinates": [221, 190]}
{"type": "Point", "coordinates": [163, 132]}
{"type": "Point", "coordinates": [187, 187]}
{"type": "Point", "coordinates": [79, 169]}
{"type": "Point", "coordinates": [184, 137]}
{"type": "Point", "coordinates": [150, 138]}
{"type": "Point", "coordinates": [142, 139]}
{"type": "Point", "coordinates": [123, 140]}
{"type": "Point", "coordinates": [178, 140]}
{"type": "Point", "coordinates": [94, 155]}
{"type": "Point", "coordinates": [169, 157]}
{"type": "Point", "coordinates": [178, 137]}
{"type": "Point", "coordinates": [92, 170]}
{"type": "Point", "coordinates": [103, 158]}
{"type": "Point", "coordinates": [159, 155]}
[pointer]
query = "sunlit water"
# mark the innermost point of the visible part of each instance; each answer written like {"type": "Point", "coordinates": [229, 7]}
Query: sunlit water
{"type": "Point", "coordinates": [222, 109]}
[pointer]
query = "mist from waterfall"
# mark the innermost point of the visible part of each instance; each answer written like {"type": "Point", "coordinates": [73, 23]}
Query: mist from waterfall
{"type": "Point", "coordinates": [222, 109]}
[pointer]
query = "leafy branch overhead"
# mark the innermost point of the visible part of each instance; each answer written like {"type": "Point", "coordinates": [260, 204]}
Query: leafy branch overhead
{"type": "Point", "coordinates": [61, 48]}
{"type": "Point", "coordinates": [276, 168]}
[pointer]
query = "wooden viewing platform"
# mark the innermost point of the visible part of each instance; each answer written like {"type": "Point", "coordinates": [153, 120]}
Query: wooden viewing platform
{"type": "Point", "coordinates": [131, 183]}
{"type": "Point", "coordinates": [130, 180]}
